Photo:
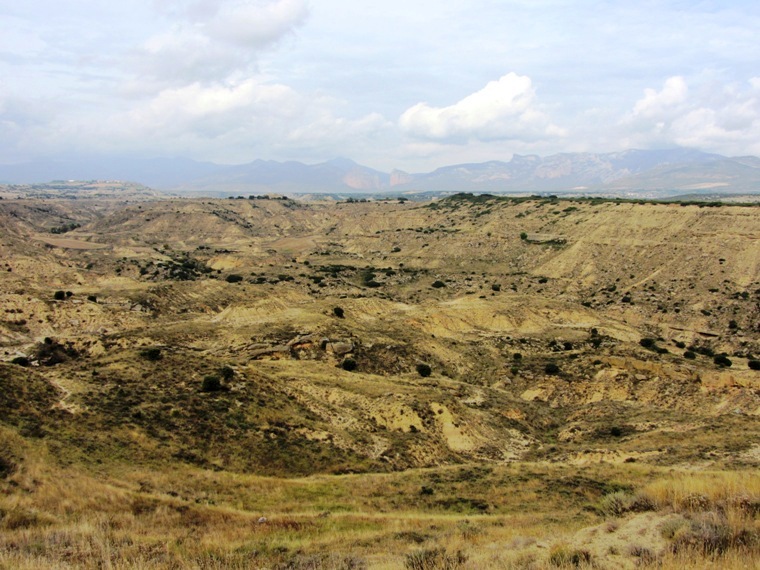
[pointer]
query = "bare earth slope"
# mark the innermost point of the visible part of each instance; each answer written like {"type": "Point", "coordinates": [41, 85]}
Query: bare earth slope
{"type": "Point", "coordinates": [278, 338]}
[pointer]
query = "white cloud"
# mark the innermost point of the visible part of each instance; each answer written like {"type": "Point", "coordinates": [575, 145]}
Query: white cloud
{"type": "Point", "coordinates": [659, 103]}
{"type": "Point", "coordinates": [256, 24]}
{"type": "Point", "coordinates": [211, 40]}
{"type": "Point", "coordinates": [713, 117]}
{"type": "Point", "coordinates": [502, 110]}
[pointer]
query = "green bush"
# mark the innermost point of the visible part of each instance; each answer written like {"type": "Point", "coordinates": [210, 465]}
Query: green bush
{"type": "Point", "coordinates": [234, 278]}
{"type": "Point", "coordinates": [339, 312]}
{"type": "Point", "coordinates": [59, 295]}
{"type": "Point", "coordinates": [348, 364]}
{"type": "Point", "coordinates": [152, 354]}
{"type": "Point", "coordinates": [551, 368]}
{"type": "Point", "coordinates": [211, 384]}
{"type": "Point", "coordinates": [424, 370]}
{"type": "Point", "coordinates": [754, 364]}
{"type": "Point", "coordinates": [722, 361]}
{"type": "Point", "coordinates": [438, 284]}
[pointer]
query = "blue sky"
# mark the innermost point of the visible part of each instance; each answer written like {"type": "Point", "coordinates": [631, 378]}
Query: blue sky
{"type": "Point", "coordinates": [411, 85]}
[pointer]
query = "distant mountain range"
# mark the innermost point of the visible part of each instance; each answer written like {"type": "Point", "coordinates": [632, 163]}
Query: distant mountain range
{"type": "Point", "coordinates": [651, 173]}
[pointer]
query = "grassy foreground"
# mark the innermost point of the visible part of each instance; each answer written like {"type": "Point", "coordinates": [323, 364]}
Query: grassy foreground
{"type": "Point", "coordinates": [522, 515]}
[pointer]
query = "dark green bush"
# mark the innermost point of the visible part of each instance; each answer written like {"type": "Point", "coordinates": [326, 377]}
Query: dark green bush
{"type": "Point", "coordinates": [754, 364]}
{"type": "Point", "coordinates": [551, 368]}
{"type": "Point", "coordinates": [348, 364]}
{"type": "Point", "coordinates": [722, 361]}
{"type": "Point", "coordinates": [424, 370]}
{"type": "Point", "coordinates": [438, 284]}
{"type": "Point", "coordinates": [234, 278]}
{"type": "Point", "coordinates": [211, 384]}
{"type": "Point", "coordinates": [690, 355]}
{"type": "Point", "coordinates": [59, 295]}
{"type": "Point", "coordinates": [152, 354]}
{"type": "Point", "coordinates": [339, 312]}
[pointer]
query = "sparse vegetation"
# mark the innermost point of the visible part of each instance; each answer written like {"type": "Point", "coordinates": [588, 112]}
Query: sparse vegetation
{"type": "Point", "coordinates": [184, 423]}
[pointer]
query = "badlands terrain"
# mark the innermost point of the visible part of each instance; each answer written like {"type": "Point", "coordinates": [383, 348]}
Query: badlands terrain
{"type": "Point", "coordinates": [471, 382]}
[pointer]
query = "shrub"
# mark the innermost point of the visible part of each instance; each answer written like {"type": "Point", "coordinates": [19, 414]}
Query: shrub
{"type": "Point", "coordinates": [227, 373]}
{"type": "Point", "coordinates": [621, 502]}
{"type": "Point", "coordinates": [424, 370]}
{"type": "Point", "coordinates": [20, 361]}
{"type": "Point", "coordinates": [59, 295]}
{"type": "Point", "coordinates": [339, 312]}
{"type": "Point", "coordinates": [496, 287]}
{"type": "Point", "coordinates": [92, 298]}
{"type": "Point", "coordinates": [648, 343]}
{"type": "Point", "coordinates": [348, 364]}
{"type": "Point", "coordinates": [438, 284]}
{"type": "Point", "coordinates": [754, 364]}
{"type": "Point", "coordinates": [562, 556]}
{"type": "Point", "coordinates": [690, 355]}
{"type": "Point", "coordinates": [434, 559]}
{"type": "Point", "coordinates": [722, 361]}
{"type": "Point", "coordinates": [211, 384]}
{"type": "Point", "coordinates": [152, 354]}
{"type": "Point", "coordinates": [551, 368]}
{"type": "Point", "coordinates": [234, 278]}
{"type": "Point", "coordinates": [523, 236]}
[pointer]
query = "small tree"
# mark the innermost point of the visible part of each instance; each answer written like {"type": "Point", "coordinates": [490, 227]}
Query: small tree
{"type": "Point", "coordinates": [722, 360]}
{"type": "Point", "coordinates": [424, 370]}
{"type": "Point", "coordinates": [211, 384]}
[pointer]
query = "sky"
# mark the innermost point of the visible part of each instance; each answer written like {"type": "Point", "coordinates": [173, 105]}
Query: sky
{"type": "Point", "coordinates": [413, 84]}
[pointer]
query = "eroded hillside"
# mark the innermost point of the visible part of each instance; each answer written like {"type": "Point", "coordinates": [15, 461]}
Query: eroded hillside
{"type": "Point", "coordinates": [530, 314]}
{"type": "Point", "coordinates": [278, 338]}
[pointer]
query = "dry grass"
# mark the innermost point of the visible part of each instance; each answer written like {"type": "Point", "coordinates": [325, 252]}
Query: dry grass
{"type": "Point", "coordinates": [706, 490]}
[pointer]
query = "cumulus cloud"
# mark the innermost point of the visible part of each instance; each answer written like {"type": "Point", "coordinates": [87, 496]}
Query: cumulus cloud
{"type": "Point", "coordinates": [717, 118]}
{"type": "Point", "coordinates": [503, 109]}
{"type": "Point", "coordinates": [210, 40]}
{"type": "Point", "coordinates": [660, 103]}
